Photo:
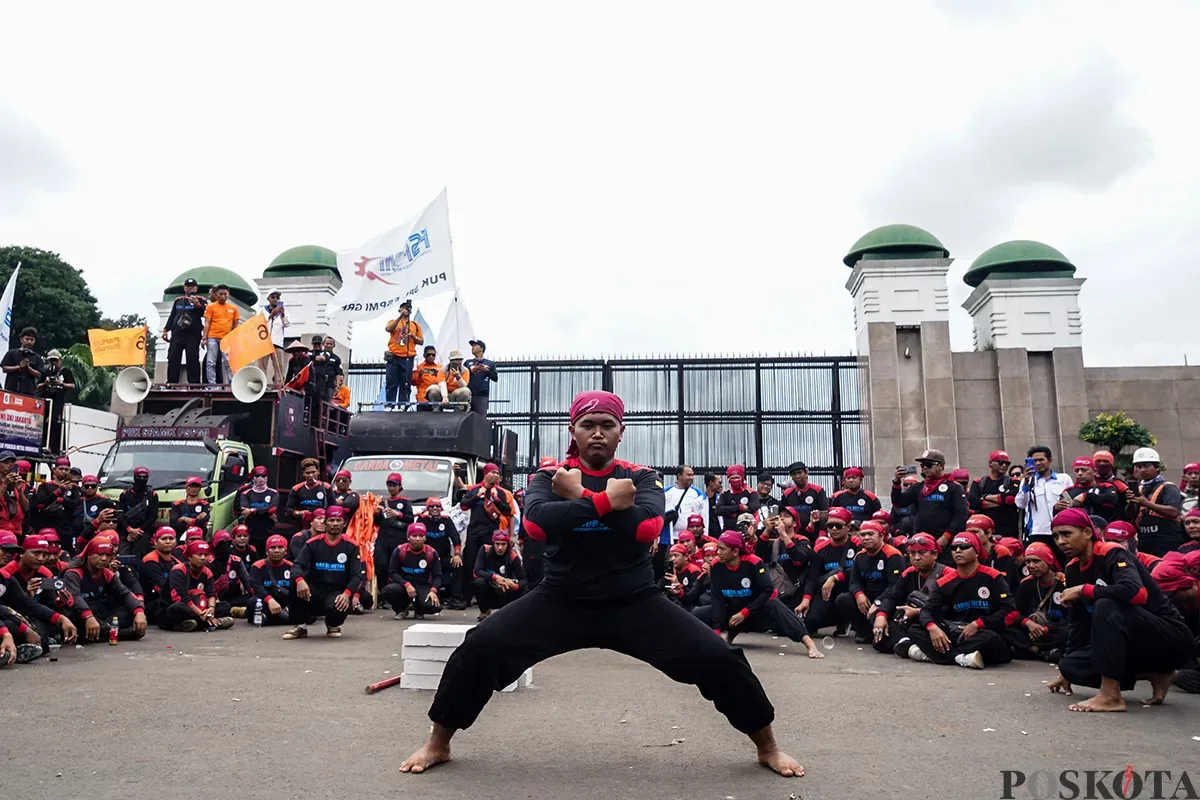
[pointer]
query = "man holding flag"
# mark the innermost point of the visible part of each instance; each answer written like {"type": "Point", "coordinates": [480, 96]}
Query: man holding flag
{"type": "Point", "coordinates": [247, 343]}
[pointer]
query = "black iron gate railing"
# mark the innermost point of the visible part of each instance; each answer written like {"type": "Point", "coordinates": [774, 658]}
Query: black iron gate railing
{"type": "Point", "coordinates": [764, 412]}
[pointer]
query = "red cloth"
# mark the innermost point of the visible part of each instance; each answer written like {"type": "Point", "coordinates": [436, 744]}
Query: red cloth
{"type": "Point", "coordinates": [594, 402]}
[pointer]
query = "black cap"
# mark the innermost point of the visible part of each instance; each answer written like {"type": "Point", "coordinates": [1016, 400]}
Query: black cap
{"type": "Point", "coordinates": [318, 339]}
{"type": "Point", "coordinates": [7, 455]}
{"type": "Point", "coordinates": [407, 304]}
{"type": "Point", "coordinates": [796, 466]}
{"type": "Point", "coordinates": [190, 282]}
{"type": "Point", "coordinates": [766, 477]}
{"type": "Point", "coordinates": [479, 342]}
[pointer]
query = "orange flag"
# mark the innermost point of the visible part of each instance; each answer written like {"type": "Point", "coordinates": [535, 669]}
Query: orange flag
{"type": "Point", "coordinates": [120, 348]}
{"type": "Point", "coordinates": [248, 342]}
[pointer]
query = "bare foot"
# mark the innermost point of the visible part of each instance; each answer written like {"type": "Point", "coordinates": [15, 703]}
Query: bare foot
{"type": "Point", "coordinates": [813, 652]}
{"type": "Point", "coordinates": [1100, 703]}
{"type": "Point", "coordinates": [1161, 684]}
{"type": "Point", "coordinates": [1060, 685]}
{"type": "Point", "coordinates": [427, 757]}
{"type": "Point", "coordinates": [780, 762]}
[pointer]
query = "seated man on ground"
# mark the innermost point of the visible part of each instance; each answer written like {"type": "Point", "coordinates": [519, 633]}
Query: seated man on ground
{"type": "Point", "coordinates": [682, 582]}
{"type": "Point", "coordinates": [832, 559]}
{"type": "Point", "coordinates": [231, 582]}
{"type": "Point", "coordinates": [1177, 574]}
{"type": "Point", "coordinates": [1038, 627]}
{"type": "Point", "coordinates": [414, 576]}
{"type": "Point", "coordinates": [499, 575]}
{"type": "Point", "coordinates": [271, 582]}
{"type": "Point", "coordinates": [899, 607]}
{"type": "Point", "coordinates": [965, 616]}
{"type": "Point", "coordinates": [155, 572]}
{"type": "Point", "coordinates": [192, 593]}
{"type": "Point", "coordinates": [994, 555]}
{"type": "Point", "coordinates": [1191, 529]}
{"type": "Point", "coordinates": [877, 566]}
{"type": "Point", "coordinates": [98, 598]}
{"type": "Point", "coordinates": [1123, 626]}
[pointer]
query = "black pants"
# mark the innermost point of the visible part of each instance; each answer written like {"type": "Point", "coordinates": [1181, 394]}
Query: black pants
{"type": "Point", "coordinates": [176, 613]}
{"type": "Point", "coordinates": [823, 613]}
{"type": "Point", "coordinates": [1023, 646]}
{"type": "Point", "coordinates": [479, 403]}
{"type": "Point", "coordinates": [773, 617]}
{"type": "Point", "coordinates": [532, 552]}
{"type": "Point", "coordinates": [490, 597]}
{"type": "Point", "coordinates": [179, 346]}
{"type": "Point", "coordinates": [104, 613]}
{"type": "Point", "coordinates": [895, 632]}
{"type": "Point", "coordinates": [1127, 641]}
{"type": "Point", "coordinates": [647, 627]}
{"type": "Point", "coordinates": [396, 595]}
{"type": "Point", "coordinates": [658, 561]}
{"type": "Point", "coordinates": [847, 611]}
{"type": "Point", "coordinates": [385, 545]}
{"type": "Point", "coordinates": [281, 618]}
{"type": "Point", "coordinates": [319, 604]}
{"type": "Point", "coordinates": [987, 642]}
{"type": "Point", "coordinates": [397, 380]}
{"type": "Point", "coordinates": [470, 553]}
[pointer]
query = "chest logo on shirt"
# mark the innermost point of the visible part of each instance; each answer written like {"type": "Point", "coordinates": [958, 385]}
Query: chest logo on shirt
{"type": "Point", "coordinates": [942, 487]}
{"type": "Point", "coordinates": [850, 553]}
{"type": "Point", "coordinates": [745, 501]}
{"type": "Point", "coordinates": [686, 581]}
{"type": "Point", "coordinates": [94, 509]}
{"type": "Point", "coordinates": [320, 495]}
{"type": "Point", "coordinates": [267, 498]}
{"type": "Point", "coordinates": [3, 589]}
{"type": "Point", "coordinates": [233, 574]}
{"type": "Point", "coordinates": [199, 509]}
{"type": "Point", "coordinates": [501, 569]}
{"type": "Point", "coordinates": [880, 564]}
{"type": "Point", "coordinates": [1057, 598]}
{"type": "Point", "coordinates": [1025, 571]}
{"type": "Point", "coordinates": [984, 593]}
{"type": "Point", "coordinates": [862, 501]}
{"type": "Point", "coordinates": [808, 500]}
{"type": "Point", "coordinates": [341, 559]}
{"type": "Point", "coordinates": [1101, 582]}
{"type": "Point", "coordinates": [287, 574]}
{"type": "Point", "coordinates": [422, 563]}
{"type": "Point", "coordinates": [745, 583]}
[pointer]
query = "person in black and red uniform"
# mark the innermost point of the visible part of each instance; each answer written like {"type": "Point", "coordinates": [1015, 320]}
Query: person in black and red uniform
{"type": "Point", "coordinates": [271, 580]}
{"type": "Point", "coordinates": [1038, 627]}
{"type": "Point", "coordinates": [736, 500]}
{"type": "Point", "coordinates": [995, 495]}
{"type": "Point", "coordinates": [499, 575]}
{"type": "Point", "coordinates": [876, 567]}
{"type": "Point", "coordinates": [98, 596]}
{"type": "Point", "coordinates": [414, 576]}
{"type": "Point", "coordinates": [343, 495]}
{"type": "Point", "coordinates": [941, 505]}
{"type": "Point", "coordinates": [832, 560]}
{"type": "Point", "coordinates": [241, 545]}
{"type": "Point", "coordinates": [994, 554]}
{"type": "Point", "coordinates": [682, 582]}
{"type": "Point", "coordinates": [393, 516]}
{"type": "Point", "coordinates": [441, 535]}
{"type": "Point", "coordinates": [598, 517]}
{"type": "Point", "coordinates": [861, 503]}
{"type": "Point", "coordinates": [193, 598]}
{"type": "Point", "coordinates": [310, 494]}
{"type": "Point", "coordinates": [55, 502]}
{"type": "Point", "coordinates": [231, 581]}
{"type": "Point", "coordinates": [43, 618]}
{"type": "Point", "coordinates": [256, 506]}
{"type": "Point", "coordinates": [1123, 627]}
{"type": "Point", "coordinates": [155, 572]}
{"type": "Point", "coordinates": [1104, 463]}
{"type": "Point", "coordinates": [486, 503]}
{"type": "Point", "coordinates": [966, 614]}
{"type": "Point", "coordinates": [192, 510]}
{"type": "Point", "coordinates": [315, 529]}
{"type": "Point", "coordinates": [808, 499]}
{"type": "Point", "coordinates": [899, 607]}
{"type": "Point", "coordinates": [1103, 500]}
{"type": "Point", "coordinates": [327, 576]}
{"type": "Point", "coordinates": [792, 550]}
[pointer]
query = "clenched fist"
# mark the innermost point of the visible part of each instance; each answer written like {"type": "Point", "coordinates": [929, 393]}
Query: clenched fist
{"type": "Point", "coordinates": [620, 493]}
{"type": "Point", "coordinates": [568, 484]}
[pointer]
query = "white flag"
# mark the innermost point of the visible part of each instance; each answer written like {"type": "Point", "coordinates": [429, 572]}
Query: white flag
{"type": "Point", "coordinates": [410, 261]}
{"type": "Point", "coordinates": [6, 310]}
{"type": "Point", "coordinates": [456, 331]}
{"type": "Point", "coordinates": [430, 335]}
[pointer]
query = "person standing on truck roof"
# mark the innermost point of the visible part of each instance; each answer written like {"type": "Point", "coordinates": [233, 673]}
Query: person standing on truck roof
{"type": "Point", "coordinates": [342, 494]}
{"type": "Point", "coordinates": [56, 385]}
{"type": "Point", "coordinates": [483, 375]}
{"type": "Point", "coordinates": [328, 366]}
{"type": "Point", "coordinates": [22, 366]}
{"type": "Point", "coordinates": [137, 516]}
{"type": "Point", "coordinates": [430, 379]}
{"type": "Point", "coordinates": [277, 323]}
{"type": "Point", "coordinates": [256, 507]}
{"type": "Point", "coordinates": [406, 334]}
{"type": "Point", "coordinates": [310, 494]}
{"type": "Point", "coordinates": [394, 515]}
{"type": "Point", "coordinates": [220, 318]}
{"type": "Point", "coordinates": [487, 504]}
{"type": "Point", "coordinates": [183, 332]}
{"type": "Point", "coordinates": [192, 509]}
{"type": "Point", "coordinates": [299, 358]}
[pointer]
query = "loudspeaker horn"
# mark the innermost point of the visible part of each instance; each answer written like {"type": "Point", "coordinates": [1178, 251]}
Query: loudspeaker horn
{"type": "Point", "coordinates": [249, 384]}
{"type": "Point", "coordinates": [133, 384]}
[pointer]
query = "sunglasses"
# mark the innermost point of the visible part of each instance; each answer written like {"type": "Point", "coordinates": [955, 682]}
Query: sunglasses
{"type": "Point", "coordinates": [959, 547]}
{"type": "Point", "coordinates": [834, 526]}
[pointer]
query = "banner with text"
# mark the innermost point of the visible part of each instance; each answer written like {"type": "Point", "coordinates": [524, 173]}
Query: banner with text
{"type": "Point", "coordinates": [21, 423]}
{"type": "Point", "coordinates": [121, 348]}
{"type": "Point", "coordinates": [410, 261]}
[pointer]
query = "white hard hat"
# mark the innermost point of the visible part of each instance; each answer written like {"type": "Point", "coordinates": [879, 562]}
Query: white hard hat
{"type": "Point", "coordinates": [1146, 455]}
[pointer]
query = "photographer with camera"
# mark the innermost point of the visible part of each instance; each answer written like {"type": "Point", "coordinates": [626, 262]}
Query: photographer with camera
{"type": "Point", "coordinates": [14, 495]}
{"type": "Point", "coordinates": [56, 385]}
{"type": "Point", "coordinates": [277, 323]}
{"type": "Point", "coordinates": [22, 366]}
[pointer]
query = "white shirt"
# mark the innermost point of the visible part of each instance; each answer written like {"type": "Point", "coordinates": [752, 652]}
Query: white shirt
{"type": "Point", "coordinates": [276, 325]}
{"type": "Point", "coordinates": [694, 502]}
{"type": "Point", "coordinates": [1037, 501]}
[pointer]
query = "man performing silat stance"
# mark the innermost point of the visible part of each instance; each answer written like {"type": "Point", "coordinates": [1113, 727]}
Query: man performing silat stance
{"type": "Point", "coordinates": [598, 517]}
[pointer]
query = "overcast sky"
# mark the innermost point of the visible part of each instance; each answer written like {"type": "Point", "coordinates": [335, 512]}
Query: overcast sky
{"type": "Point", "coordinates": [623, 178]}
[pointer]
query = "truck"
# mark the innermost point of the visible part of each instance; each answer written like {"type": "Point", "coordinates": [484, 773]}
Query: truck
{"type": "Point", "coordinates": [181, 431]}
{"type": "Point", "coordinates": [437, 453]}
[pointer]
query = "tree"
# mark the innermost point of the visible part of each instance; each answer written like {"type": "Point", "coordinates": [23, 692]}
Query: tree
{"type": "Point", "coordinates": [93, 385]}
{"type": "Point", "coordinates": [133, 321]}
{"type": "Point", "coordinates": [1116, 432]}
{"type": "Point", "coordinates": [51, 296]}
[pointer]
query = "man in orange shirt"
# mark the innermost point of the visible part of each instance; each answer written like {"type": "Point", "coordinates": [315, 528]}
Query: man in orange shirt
{"type": "Point", "coordinates": [458, 379]}
{"type": "Point", "coordinates": [341, 392]}
{"type": "Point", "coordinates": [430, 379]}
{"type": "Point", "coordinates": [406, 334]}
{"type": "Point", "coordinates": [220, 317]}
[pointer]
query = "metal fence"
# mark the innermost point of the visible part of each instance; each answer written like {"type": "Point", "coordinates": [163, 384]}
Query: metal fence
{"type": "Point", "coordinates": [706, 412]}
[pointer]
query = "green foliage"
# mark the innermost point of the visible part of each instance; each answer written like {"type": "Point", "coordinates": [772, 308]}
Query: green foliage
{"type": "Point", "coordinates": [94, 384]}
{"type": "Point", "coordinates": [1116, 433]}
{"type": "Point", "coordinates": [51, 295]}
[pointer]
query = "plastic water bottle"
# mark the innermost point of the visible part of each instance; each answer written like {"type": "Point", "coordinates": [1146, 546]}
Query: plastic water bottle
{"type": "Point", "coordinates": [112, 631]}
{"type": "Point", "coordinates": [258, 613]}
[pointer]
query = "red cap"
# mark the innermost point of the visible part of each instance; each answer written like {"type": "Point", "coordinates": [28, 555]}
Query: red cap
{"type": "Point", "coordinates": [395, 477]}
{"type": "Point", "coordinates": [139, 472]}
{"type": "Point", "coordinates": [489, 469]}
{"type": "Point", "coordinates": [259, 471]}
{"type": "Point", "coordinates": [315, 513]}
{"type": "Point", "coordinates": [276, 541]}
{"type": "Point", "coordinates": [852, 472]}
{"type": "Point", "coordinates": [51, 536]}
{"type": "Point", "coordinates": [841, 514]}
{"type": "Point", "coordinates": [882, 516]}
{"type": "Point", "coordinates": [1119, 531]}
{"type": "Point", "coordinates": [1014, 545]}
{"type": "Point", "coordinates": [193, 533]}
{"type": "Point", "coordinates": [981, 521]}
{"type": "Point", "coordinates": [24, 466]}
{"type": "Point", "coordinates": [239, 529]}
{"type": "Point", "coordinates": [36, 543]}
{"type": "Point", "coordinates": [1042, 550]}
{"type": "Point", "coordinates": [99, 546]}
{"type": "Point", "coordinates": [965, 538]}
{"type": "Point", "coordinates": [999, 455]}
{"type": "Point", "coordinates": [197, 548]}
{"type": "Point", "coordinates": [687, 537]}
{"type": "Point", "coordinates": [194, 480]}
{"type": "Point", "coordinates": [86, 478]}
{"type": "Point", "coordinates": [547, 461]}
{"type": "Point", "coordinates": [1083, 461]}
{"type": "Point", "coordinates": [871, 525]}
{"type": "Point", "coordinates": [678, 548]}
{"type": "Point", "coordinates": [899, 541]}
{"type": "Point", "coordinates": [221, 536]}
{"type": "Point", "coordinates": [499, 536]}
{"type": "Point", "coordinates": [1103, 455]}
{"type": "Point", "coordinates": [695, 519]}
{"type": "Point", "coordinates": [732, 540]}
{"type": "Point", "coordinates": [63, 461]}
{"type": "Point", "coordinates": [417, 529]}
{"type": "Point", "coordinates": [343, 473]}
{"type": "Point", "coordinates": [433, 501]}
{"type": "Point", "coordinates": [1192, 467]}
{"type": "Point", "coordinates": [709, 549]}
{"type": "Point", "coordinates": [335, 512]}
{"type": "Point", "coordinates": [165, 530]}
{"type": "Point", "coordinates": [960, 475]}
{"type": "Point", "coordinates": [8, 541]}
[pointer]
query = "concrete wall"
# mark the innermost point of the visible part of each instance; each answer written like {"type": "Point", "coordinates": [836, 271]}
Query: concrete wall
{"type": "Point", "coordinates": [1164, 399]}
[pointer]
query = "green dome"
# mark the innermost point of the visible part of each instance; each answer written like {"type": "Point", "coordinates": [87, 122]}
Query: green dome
{"type": "Point", "coordinates": [896, 241]}
{"type": "Point", "coordinates": [308, 259]}
{"type": "Point", "coordinates": [208, 277]}
{"type": "Point", "coordinates": [1019, 259]}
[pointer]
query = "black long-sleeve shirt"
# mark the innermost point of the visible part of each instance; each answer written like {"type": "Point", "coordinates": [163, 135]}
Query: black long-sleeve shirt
{"type": "Point", "coordinates": [416, 567]}
{"type": "Point", "coordinates": [941, 512]}
{"type": "Point", "coordinates": [86, 589]}
{"type": "Point", "coordinates": [329, 567]}
{"type": "Point", "coordinates": [483, 522]}
{"type": "Point", "coordinates": [981, 597]}
{"type": "Point", "coordinates": [743, 589]}
{"type": "Point", "coordinates": [873, 574]}
{"type": "Point", "coordinates": [259, 506]}
{"type": "Point", "coordinates": [911, 580]}
{"type": "Point", "coordinates": [194, 589]}
{"type": "Point", "coordinates": [1099, 499]}
{"type": "Point", "coordinates": [731, 505]}
{"type": "Point", "coordinates": [53, 506]}
{"type": "Point", "coordinates": [1004, 516]}
{"type": "Point", "coordinates": [136, 508]}
{"type": "Point", "coordinates": [593, 553]}
{"type": "Point", "coordinates": [348, 500]}
{"type": "Point", "coordinates": [13, 596]}
{"type": "Point", "coordinates": [1031, 596]}
{"type": "Point", "coordinates": [230, 578]}
{"type": "Point", "coordinates": [190, 509]}
{"type": "Point", "coordinates": [829, 560]}
{"type": "Point", "coordinates": [794, 557]}
{"type": "Point", "coordinates": [154, 574]}
{"type": "Point", "coordinates": [303, 498]}
{"type": "Point", "coordinates": [187, 314]}
{"type": "Point", "coordinates": [394, 529]}
{"type": "Point", "coordinates": [685, 588]}
{"type": "Point", "coordinates": [441, 535]}
{"type": "Point", "coordinates": [489, 563]}
{"type": "Point", "coordinates": [272, 581]}
{"type": "Point", "coordinates": [862, 504]}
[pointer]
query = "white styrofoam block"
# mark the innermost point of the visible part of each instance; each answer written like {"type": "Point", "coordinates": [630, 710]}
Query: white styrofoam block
{"type": "Point", "coordinates": [425, 653]}
{"type": "Point", "coordinates": [435, 634]}
{"type": "Point", "coordinates": [426, 682]}
{"type": "Point", "coordinates": [414, 666]}
{"type": "Point", "coordinates": [522, 682]}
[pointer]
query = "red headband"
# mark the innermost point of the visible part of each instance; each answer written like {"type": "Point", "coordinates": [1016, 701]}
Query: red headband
{"type": "Point", "coordinates": [416, 529]}
{"type": "Point", "coordinates": [852, 472]}
{"type": "Point", "coordinates": [276, 541]}
{"type": "Point", "coordinates": [981, 521]}
{"type": "Point", "coordinates": [1175, 572]}
{"type": "Point", "coordinates": [1083, 461]}
{"type": "Point", "coordinates": [594, 402]}
{"type": "Point", "coordinates": [98, 546]}
{"type": "Point", "coordinates": [678, 548]}
{"type": "Point", "coordinates": [923, 541]}
{"type": "Point", "coordinates": [841, 514]}
{"type": "Point", "coordinates": [1119, 531]}
{"type": "Point", "coordinates": [1042, 550]}
{"type": "Point", "coordinates": [968, 538]}
{"type": "Point", "coordinates": [1074, 517]}
{"type": "Point", "coordinates": [871, 525]}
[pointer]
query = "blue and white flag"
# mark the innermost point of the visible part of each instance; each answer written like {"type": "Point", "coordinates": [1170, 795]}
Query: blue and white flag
{"type": "Point", "coordinates": [6, 311]}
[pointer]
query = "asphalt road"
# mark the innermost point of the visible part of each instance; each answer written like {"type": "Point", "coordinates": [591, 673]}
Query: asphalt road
{"type": "Point", "coordinates": [244, 714]}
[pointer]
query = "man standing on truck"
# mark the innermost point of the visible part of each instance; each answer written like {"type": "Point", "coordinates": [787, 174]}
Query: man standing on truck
{"type": "Point", "coordinates": [328, 365]}
{"type": "Point", "coordinates": [483, 375]}
{"type": "Point", "coordinates": [182, 332]}
{"type": "Point", "coordinates": [487, 503]}
{"type": "Point", "coordinates": [406, 334]}
{"type": "Point", "coordinates": [255, 506]}
{"type": "Point", "coordinates": [137, 516]}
